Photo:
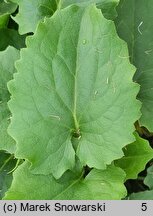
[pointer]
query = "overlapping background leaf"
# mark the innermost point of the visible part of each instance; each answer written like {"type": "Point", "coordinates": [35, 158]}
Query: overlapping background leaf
{"type": "Point", "coordinates": [136, 29]}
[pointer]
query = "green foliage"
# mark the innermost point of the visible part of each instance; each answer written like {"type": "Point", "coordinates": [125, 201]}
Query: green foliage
{"type": "Point", "coordinates": [136, 155]}
{"type": "Point", "coordinates": [148, 194]}
{"type": "Point", "coordinates": [136, 29]}
{"type": "Point", "coordinates": [70, 120]}
{"type": "Point", "coordinates": [11, 37]}
{"type": "Point", "coordinates": [107, 184]}
{"type": "Point", "coordinates": [148, 180]}
{"type": "Point", "coordinates": [56, 104]}
{"type": "Point", "coordinates": [108, 7]}
{"type": "Point", "coordinates": [7, 59]}
{"type": "Point", "coordinates": [7, 164]}
{"type": "Point", "coordinates": [6, 8]}
{"type": "Point", "coordinates": [31, 12]}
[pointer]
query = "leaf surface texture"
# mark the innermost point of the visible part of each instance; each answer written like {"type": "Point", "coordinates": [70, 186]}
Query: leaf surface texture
{"type": "Point", "coordinates": [137, 155]}
{"type": "Point", "coordinates": [135, 27]}
{"type": "Point", "coordinates": [107, 184]}
{"type": "Point", "coordinates": [108, 7]}
{"type": "Point", "coordinates": [69, 86]}
{"type": "Point", "coordinates": [7, 68]}
{"type": "Point", "coordinates": [31, 12]}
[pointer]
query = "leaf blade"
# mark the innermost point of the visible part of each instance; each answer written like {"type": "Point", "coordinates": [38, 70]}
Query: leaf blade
{"type": "Point", "coordinates": [97, 185]}
{"type": "Point", "coordinates": [107, 6]}
{"type": "Point", "coordinates": [6, 8]}
{"type": "Point", "coordinates": [7, 163]}
{"type": "Point", "coordinates": [148, 194]}
{"type": "Point", "coordinates": [7, 68]}
{"type": "Point", "coordinates": [48, 111]}
{"type": "Point", "coordinates": [133, 25]}
{"type": "Point", "coordinates": [31, 12]}
{"type": "Point", "coordinates": [137, 155]}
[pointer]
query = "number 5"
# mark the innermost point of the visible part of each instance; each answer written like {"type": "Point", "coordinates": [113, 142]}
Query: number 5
{"type": "Point", "coordinates": [144, 207]}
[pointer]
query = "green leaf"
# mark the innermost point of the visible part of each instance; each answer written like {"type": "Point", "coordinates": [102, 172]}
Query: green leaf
{"type": "Point", "coordinates": [71, 83]}
{"type": "Point", "coordinates": [146, 195]}
{"type": "Point", "coordinates": [107, 6]}
{"type": "Point", "coordinates": [3, 20]}
{"type": "Point", "coordinates": [7, 59]}
{"type": "Point", "coordinates": [6, 8]}
{"type": "Point", "coordinates": [31, 12]}
{"type": "Point", "coordinates": [7, 163]}
{"type": "Point", "coordinates": [135, 27]}
{"type": "Point", "coordinates": [11, 37]}
{"type": "Point", "coordinates": [149, 178]}
{"type": "Point", "coordinates": [137, 155]}
{"type": "Point", "coordinates": [105, 185]}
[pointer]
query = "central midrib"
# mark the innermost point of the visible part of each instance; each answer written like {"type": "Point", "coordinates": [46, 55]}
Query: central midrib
{"type": "Point", "coordinates": [75, 82]}
{"type": "Point", "coordinates": [75, 103]}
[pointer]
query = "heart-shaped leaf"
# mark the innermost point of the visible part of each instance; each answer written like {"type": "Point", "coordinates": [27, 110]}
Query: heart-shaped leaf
{"type": "Point", "coordinates": [74, 80]}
